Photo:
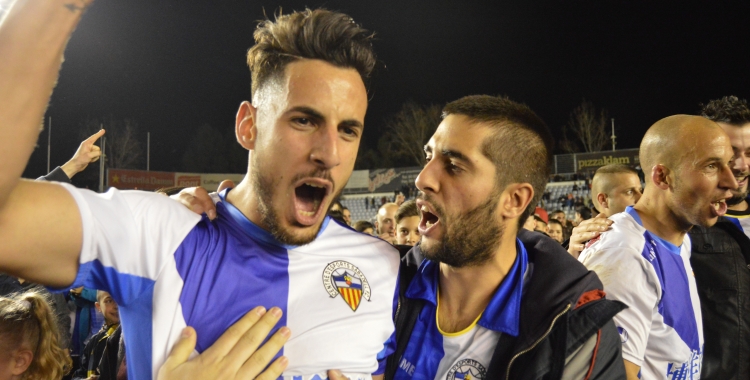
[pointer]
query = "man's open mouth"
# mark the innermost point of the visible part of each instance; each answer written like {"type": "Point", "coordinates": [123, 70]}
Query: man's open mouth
{"type": "Point", "coordinates": [720, 207]}
{"type": "Point", "coordinates": [309, 195]}
{"type": "Point", "coordinates": [428, 218]}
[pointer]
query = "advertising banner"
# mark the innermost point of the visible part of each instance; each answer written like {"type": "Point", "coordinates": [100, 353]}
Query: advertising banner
{"type": "Point", "coordinates": [587, 162]}
{"type": "Point", "coordinates": [150, 180]}
{"type": "Point", "coordinates": [139, 179]}
{"type": "Point", "coordinates": [392, 179]}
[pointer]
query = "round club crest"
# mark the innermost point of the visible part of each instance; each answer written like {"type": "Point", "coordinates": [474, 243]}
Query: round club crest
{"type": "Point", "coordinates": [467, 369]}
{"type": "Point", "coordinates": [341, 277]}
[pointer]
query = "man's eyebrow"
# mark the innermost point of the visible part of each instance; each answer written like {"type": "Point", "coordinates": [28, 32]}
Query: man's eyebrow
{"type": "Point", "coordinates": [307, 111]}
{"type": "Point", "coordinates": [314, 114]}
{"type": "Point", "coordinates": [454, 154]}
{"type": "Point", "coordinates": [351, 123]}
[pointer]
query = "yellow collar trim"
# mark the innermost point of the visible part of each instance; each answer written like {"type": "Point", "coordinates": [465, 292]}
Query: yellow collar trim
{"type": "Point", "coordinates": [458, 333]}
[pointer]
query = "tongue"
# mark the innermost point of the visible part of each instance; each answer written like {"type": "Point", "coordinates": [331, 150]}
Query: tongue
{"type": "Point", "coordinates": [721, 209]}
{"type": "Point", "coordinates": [307, 199]}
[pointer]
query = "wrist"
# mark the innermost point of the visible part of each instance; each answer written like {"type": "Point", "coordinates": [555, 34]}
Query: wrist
{"type": "Point", "coordinates": [70, 169]}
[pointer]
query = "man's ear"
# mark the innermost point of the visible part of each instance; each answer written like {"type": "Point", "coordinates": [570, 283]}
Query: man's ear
{"type": "Point", "coordinates": [244, 125]}
{"type": "Point", "coordinates": [603, 201]}
{"type": "Point", "coordinates": [515, 199]}
{"type": "Point", "coordinates": [21, 361]}
{"type": "Point", "coordinates": [660, 175]}
{"type": "Point", "coordinates": [98, 307]}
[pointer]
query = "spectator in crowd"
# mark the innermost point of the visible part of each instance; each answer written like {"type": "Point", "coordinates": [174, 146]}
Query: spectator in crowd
{"type": "Point", "coordinates": [336, 206]}
{"type": "Point", "coordinates": [98, 346]}
{"type": "Point", "coordinates": [530, 223]}
{"type": "Point", "coordinates": [86, 153]}
{"type": "Point", "coordinates": [308, 68]}
{"type": "Point", "coordinates": [614, 188]}
{"type": "Point", "coordinates": [542, 213]}
{"type": "Point", "coordinates": [555, 230]}
{"type": "Point", "coordinates": [720, 257]}
{"type": "Point", "coordinates": [407, 224]}
{"type": "Point", "coordinates": [365, 227]}
{"type": "Point", "coordinates": [338, 216]}
{"type": "Point", "coordinates": [644, 260]}
{"type": "Point", "coordinates": [582, 213]}
{"type": "Point", "coordinates": [399, 198]}
{"type": "Point", "coordinates": [476, 262]}
{"type": "Point", "coordinates": [567, 224]}
{"type": "Point", "coordinates": [385, 222]}
{"type": "Point", "coordinates": [347, 215]}
{"type": "Point", "coordinates": [10, 284]}
{"type": "Point", "coordinates": [87, 320]}
{"type": "Point", "coordinates": [29, 339]}
{"type": "Point", "coordinates": [367, 203]}
{"type": "Point", "coordinates": [540, 224]}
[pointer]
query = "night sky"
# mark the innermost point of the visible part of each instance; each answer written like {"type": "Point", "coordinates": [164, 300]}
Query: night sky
{"type": "Point", "coordinates": [176, 65]}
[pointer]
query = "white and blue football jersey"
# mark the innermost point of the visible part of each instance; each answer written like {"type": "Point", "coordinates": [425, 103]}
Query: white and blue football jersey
{"type": "Point", "coordinates": [661, 330]}
{"type": "Point", "coordinates": [434, 354]}
{"type": "Point", "coordinates": [168, 268]}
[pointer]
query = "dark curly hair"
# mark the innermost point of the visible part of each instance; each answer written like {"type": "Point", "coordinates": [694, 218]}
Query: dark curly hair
{"type": "Point", "coordinates": [311, 34]}
{"type": "Point", "coordinates": [729, 109]}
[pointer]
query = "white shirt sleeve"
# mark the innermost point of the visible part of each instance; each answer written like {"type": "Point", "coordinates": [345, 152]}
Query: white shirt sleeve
{"type": "Point", "coordinates": [128, 237]}
{"type": "Point", "coordinates": [628, 278]}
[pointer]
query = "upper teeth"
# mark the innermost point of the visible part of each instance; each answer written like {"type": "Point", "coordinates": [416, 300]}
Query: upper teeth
{"type": "Point", "coordinates": [314, 185]}
{"type": "Point", "coordinates": [424, 209]}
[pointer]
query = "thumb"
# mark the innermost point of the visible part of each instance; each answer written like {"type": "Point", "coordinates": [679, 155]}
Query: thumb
{"type": "Point", "coordinates": [181, 350]}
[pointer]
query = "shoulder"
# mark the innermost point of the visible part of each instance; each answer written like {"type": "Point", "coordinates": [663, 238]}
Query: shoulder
{"type": "Point", "coordinates": [625, 239]}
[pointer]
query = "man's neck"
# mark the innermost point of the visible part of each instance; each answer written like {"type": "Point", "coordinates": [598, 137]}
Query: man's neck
{"type": "Point", "coordinates": [244, 199]}
{"type": "Point", "coordinates": [660, 221]}
{"type": "Point", "coordinates": [742, 206]}
{"type": "Point", "coordinates": [460, 305]}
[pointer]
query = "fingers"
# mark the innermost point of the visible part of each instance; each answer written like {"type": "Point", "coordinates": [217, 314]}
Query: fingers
{"type": "Point", "coordinates": [335, 374]}
{"type": "Point", "coordinates": [244, 351]}
{"type": "Point", "coordinates": [274, 370]}
{"type": "Point", "coordinates": [197, 200]}
{"type": "Point", "coordinates": [181, 350]}
{"type": "Point", "coordinates": [92, 139]}
{"type": "Point", "coordinates": [225, 184]}
{"type": "Point", "coordinates": [229, 338]}
{"type": "Point", "coordinates": [575, 249]}
{"type": "Point", "coordinates": [265, 354]}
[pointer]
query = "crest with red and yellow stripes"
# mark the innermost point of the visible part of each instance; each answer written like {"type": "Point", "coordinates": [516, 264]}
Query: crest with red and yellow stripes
{"type": "Point", "coordinates": [341, 277]}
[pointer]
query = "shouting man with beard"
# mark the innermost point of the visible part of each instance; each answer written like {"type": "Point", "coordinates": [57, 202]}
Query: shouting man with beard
{"type": "Point", "coordinates": [271, 244]}
{"type": "Point", "coordinates": [491, 300]}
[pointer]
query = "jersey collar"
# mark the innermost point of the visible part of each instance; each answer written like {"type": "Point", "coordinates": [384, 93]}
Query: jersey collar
{"type": "Point", "coordinates": [669, 246]}
{"type": "Point", "coordinates": [502, 313]}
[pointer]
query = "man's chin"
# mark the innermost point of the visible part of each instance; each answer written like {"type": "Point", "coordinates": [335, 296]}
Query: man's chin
{"type": "Point", "coordinates": [737, 198]}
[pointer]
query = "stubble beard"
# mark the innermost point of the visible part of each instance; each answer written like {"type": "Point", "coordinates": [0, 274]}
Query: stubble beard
{"type": "Point", "coordinates": [263, 188]}
{"type": "Point", "coordinates": [737, 197]}
{"type": "Point", "coordinates": [469, 239]}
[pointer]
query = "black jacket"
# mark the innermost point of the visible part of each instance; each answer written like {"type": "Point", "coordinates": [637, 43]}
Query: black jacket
{"type": "Point", "coordinates": [563, 314]}
{"type": "Point", "coordinates": [97, 348]}
{"type": "Point", "coordinates": [720, 257]}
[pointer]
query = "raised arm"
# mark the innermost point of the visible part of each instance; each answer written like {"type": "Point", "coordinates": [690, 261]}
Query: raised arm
{"type": "Point", "coordinates": [33, 36]}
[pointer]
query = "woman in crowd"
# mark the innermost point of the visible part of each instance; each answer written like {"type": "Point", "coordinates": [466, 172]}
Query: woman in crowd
{"type": "Point", "coordinates": [29, 340]}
